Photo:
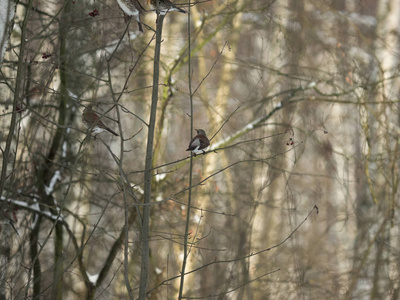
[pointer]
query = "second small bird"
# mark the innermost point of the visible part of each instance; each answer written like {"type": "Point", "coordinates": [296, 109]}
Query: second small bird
{"type": "Point", "coordinates": [92, 121]}
{"type": "Point", "coordinates": [165, 6]}
{"type": "Point", "coordinates": [133, 8]}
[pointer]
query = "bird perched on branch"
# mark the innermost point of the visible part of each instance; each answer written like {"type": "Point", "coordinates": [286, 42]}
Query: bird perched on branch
{"type": "Point", "coordinates": [199, 142]}
{"type": "Point", "coordinates": [165, 6]}
{"type": "Point", "coordinates": [133, 8]}
{"type": "Point", "coordinates": [93, 122]}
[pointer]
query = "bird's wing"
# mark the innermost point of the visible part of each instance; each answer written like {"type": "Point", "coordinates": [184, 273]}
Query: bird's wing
{"type": "Point", "coordinates": [195, 142]}
{"type": "Point", "coordinates": [204, 142]}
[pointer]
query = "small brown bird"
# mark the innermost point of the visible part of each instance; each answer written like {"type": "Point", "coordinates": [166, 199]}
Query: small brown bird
{"type": "Point", "coordinates": [199, 142]}
{"type": "Point", "coordinates": [133, 8]}
{"type": "Point", "coordinates": [165, 6]}
{"type": "Point", "coordinates": [92, 121]}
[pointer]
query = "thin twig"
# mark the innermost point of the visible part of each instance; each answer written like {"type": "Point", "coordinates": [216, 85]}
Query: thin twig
{"type": "Point", "coordinates": [212, 67]}
{"type": "Point", "coordinates": [225, 122]}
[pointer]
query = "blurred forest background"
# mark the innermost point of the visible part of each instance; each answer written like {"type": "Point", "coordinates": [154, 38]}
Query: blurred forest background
{"type": "Point", "coordinates": [297, 197]}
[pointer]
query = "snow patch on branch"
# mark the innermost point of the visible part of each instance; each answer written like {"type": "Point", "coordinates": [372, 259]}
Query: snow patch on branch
{"type": "Point", "coordinates": [50, 189]}
{"type": "Point", "coordinates": [72, 95]}
{"type": "Point", "coordinates": [93, 278]}
{"type": "Point", "coordinates": [246, 128]}
{"type": "Point", "coordinates": [34, 207]}
{"type": "Point", "coordinates": [160, 176]}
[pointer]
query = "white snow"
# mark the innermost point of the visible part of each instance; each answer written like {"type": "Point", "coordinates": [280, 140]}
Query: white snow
{"type": "Point", "coordinates": [249, 126]}
{"type": "Point", "coordinates": [49, 189]}
{"type": "Point", "coordinates": [64, 146]}
{"type": "Point", "coordinates": [197, 218]}
{"type": "Point", "coordinates": [32, 207]}
{"type": "Point", "coordinates": [159, 198]}
{"type": "Point", "coordinates": [137, 188]}
{"type": "Point", "coordinates": [244, 129]}
{"type": "Point", "coordinates": [36, 217]}
{"type": "Point", "coordinates": [72, 95]}
{"type": "Point", "coordinates": [312, 84]}
{"type": "Point", "coordinates": [93, 278]}
{"type": "Point", "coordinates": [160, 176]}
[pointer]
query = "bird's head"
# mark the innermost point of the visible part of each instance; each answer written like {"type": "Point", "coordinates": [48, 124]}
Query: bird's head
{"type": "Point", "coordinates": [200, 131]}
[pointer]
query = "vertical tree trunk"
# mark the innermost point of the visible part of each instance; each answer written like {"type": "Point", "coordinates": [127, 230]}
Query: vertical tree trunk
{"type": "Point", "coordinates": [144, 272]}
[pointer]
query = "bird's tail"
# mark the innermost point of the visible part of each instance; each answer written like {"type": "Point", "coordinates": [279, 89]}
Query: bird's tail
{"type": "Point", "coordinates": [113, 132]}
